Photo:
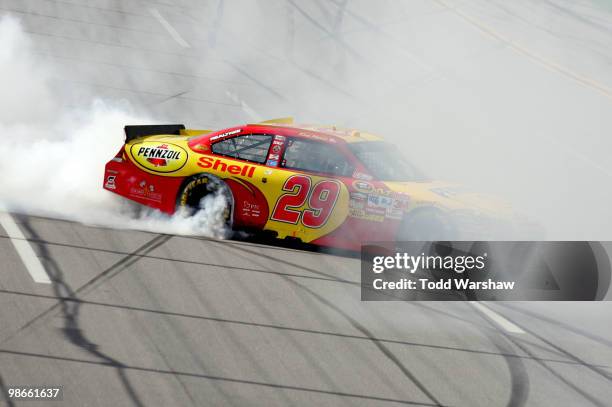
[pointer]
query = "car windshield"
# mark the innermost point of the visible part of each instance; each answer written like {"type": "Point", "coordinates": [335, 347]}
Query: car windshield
{"type": "Point", "coordinates": [385, 162]}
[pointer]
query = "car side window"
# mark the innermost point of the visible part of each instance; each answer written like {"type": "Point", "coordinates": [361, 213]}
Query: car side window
{"type": "Point", "coordinates": [314, 156]}
{"type": "Point", "coordinates": [248, 147]}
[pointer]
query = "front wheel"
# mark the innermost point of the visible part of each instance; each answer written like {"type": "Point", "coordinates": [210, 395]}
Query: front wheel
{"type": "Point", "coordinates": [426, 226]}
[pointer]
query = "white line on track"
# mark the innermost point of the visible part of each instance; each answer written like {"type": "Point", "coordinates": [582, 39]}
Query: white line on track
{"type": "Point", "coordinates": [177, 37]}
{"type": "Point", "coordinates": [498, 319]}
{"type": "Point", "coordinates": [24, 250]}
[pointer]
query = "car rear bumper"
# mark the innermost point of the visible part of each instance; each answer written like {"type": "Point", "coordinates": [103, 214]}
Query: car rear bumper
{"type": "Point", "coordinates": [125, 179]}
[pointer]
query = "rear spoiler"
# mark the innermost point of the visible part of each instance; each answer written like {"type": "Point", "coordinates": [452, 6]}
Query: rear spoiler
{"type": "Point", "coordinates": [133, 132]}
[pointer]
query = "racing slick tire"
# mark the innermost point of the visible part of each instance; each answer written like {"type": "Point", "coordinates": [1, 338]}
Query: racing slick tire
{"type": "Point", "coordinates": [426, 225]}
{"type": "Point", "coordinates": [195, 188]}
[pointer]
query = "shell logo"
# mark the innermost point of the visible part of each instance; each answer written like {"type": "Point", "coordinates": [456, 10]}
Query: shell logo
{"type": "Point", "coordinates": [158, 157]}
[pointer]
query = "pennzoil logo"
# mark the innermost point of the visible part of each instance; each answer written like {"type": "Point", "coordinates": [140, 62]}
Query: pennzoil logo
{"type": "Point", "coordinates": [158, 157]}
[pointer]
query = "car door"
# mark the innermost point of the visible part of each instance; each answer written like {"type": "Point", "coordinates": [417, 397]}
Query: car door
{"type": "Point", "coordinates": [306, 188]}
{"type": "Point", "coordinates": [240, 161]}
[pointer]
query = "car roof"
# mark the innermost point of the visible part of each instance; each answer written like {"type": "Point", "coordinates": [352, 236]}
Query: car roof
{"type": "Point", "coordinates": [330, 133]}
{"type": "Point", "coordinates": [285, 126]}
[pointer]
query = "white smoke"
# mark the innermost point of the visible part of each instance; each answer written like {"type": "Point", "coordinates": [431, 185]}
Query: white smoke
{"type": "Point", "coordinates": [53, 157]}
{"type": "Point", "coordinates": [209, 221]}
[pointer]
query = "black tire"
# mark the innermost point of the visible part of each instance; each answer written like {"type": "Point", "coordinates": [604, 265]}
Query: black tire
{"type": "Point", "coordinates": [426, 225]}
{"type": "Point", "coordinates": [197, 187]}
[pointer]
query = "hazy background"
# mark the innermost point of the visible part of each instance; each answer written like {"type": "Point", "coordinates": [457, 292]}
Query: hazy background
{"type": "Point", "coordinates": [509, 97]}
{"type": "Point", "coordinates": [513, 98]}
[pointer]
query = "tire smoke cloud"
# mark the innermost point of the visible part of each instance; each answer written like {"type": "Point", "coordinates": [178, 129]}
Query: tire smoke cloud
{"type": "Point", "coordinates": [54, 155]}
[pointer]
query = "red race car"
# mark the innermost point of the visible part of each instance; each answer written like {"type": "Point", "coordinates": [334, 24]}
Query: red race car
{"type": "Point", "coordinates": [321, 185]}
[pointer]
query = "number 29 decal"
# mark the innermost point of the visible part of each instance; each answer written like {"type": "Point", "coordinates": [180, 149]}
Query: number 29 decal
{"type": "Point", "coordinates": [321, 201]}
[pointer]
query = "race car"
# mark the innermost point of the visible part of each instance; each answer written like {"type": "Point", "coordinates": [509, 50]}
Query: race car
{"type": "Point", "coordinates": [321, 185]}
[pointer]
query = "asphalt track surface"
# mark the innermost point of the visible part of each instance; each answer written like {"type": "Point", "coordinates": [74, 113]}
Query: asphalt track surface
{"type": "Point", "coordinates": [138, 318]}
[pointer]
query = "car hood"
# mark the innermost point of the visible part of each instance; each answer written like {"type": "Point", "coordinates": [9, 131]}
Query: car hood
{"type": "Point", "coordinates": [451, 197]}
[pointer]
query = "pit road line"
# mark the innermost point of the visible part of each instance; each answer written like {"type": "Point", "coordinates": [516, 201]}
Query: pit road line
{"type": "Point", "coordinates": [171, 30]}
{"type": "Point", "coordinates": [24, 250]}
{"type": "Point", "coordinates": [498, 319]}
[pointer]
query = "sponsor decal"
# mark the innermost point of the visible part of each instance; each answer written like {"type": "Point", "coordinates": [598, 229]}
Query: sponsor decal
{"type": "Point", "coordinates": [357, 200]}
{"type": "Point", "coordinates": [380, 201]}
{"type": "Point", "coordinates": [361, 214]}
{"type": "Point", "coordinates": [375, 211]}
{"type": "Point", "coordinates": [402, 197]}
{"type": "Point", "coordinates": [227, 133]}
{"type": "Point", "coordinates": [376, 207]}
{"type": "Point", "coordinates": [142, 190]}
{"type": "Point", "coordinates": [393, 213]}
{"type": "Point", "coordinates": [158, 157]}
{"type": "Point", "coordinates": [273, 157]}
{"type": "Point", "coordinates": [363, 186]}
{"type": "Point", "coordinates": [385, 192]}
{"type": "Point", "coordinates": [250, 209]}
{"type": "Point", "coordinates": [396, 211]}
{"type": "Point", "coordinates": [218, 165]}
{"type": "Point", "coordinates": [356, 204]}
{"type": "Point", "coordinates": [110, 182]}
{"type": "Point", "coordinates": [279, 138]}
{"type": "Point", "coordinates": [276, 148]}
{"type": "Point", "coordinates": [272, 163]}
{"type": "Point", "coordinates": [401, 203]}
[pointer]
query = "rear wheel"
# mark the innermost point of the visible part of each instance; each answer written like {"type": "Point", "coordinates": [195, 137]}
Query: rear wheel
{"type": "Point", "coordinates": [195, 191]}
